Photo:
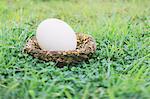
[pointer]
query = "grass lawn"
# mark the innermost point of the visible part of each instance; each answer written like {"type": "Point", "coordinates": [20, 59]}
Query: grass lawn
{"type": "Point", "coordinates": [120, 68]}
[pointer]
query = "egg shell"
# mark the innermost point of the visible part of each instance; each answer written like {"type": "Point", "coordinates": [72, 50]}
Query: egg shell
{"type": "Point", "coordinates": [56, 35]}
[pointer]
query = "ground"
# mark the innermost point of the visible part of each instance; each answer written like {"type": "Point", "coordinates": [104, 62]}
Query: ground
{"type": "Point", "coordinates": [120, 68]}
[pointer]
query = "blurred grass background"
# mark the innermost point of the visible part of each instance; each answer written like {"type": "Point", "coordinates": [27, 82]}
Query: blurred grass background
{"type": "Point", "coordinates": [120, 69]}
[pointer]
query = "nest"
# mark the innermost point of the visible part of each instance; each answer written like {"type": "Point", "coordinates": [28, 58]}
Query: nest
{"type": "Point", "coordinates": [86, 46]}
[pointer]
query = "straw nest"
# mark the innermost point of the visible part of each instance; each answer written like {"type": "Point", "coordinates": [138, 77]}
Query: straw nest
{"type": "Point", "coordinates": [86, 46]}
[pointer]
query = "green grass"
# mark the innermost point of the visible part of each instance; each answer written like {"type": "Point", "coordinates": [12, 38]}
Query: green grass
{"type": "Point", "coordinates": [120, 69]}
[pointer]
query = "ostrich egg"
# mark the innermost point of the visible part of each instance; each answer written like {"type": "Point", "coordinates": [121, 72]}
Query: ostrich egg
{"type": "Point", "coordinates": [56, 35]}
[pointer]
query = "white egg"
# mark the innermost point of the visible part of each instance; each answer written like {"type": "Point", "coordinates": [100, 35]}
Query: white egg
{"type": "Point", "coordinates": [56, 35]}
